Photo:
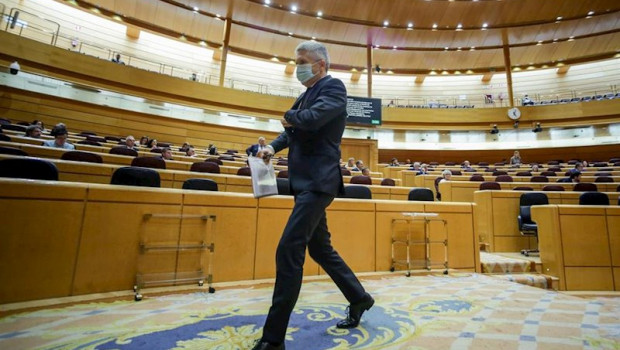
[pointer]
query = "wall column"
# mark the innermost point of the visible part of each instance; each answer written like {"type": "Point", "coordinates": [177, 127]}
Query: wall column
{"type": "Point", "coordinates": [225, 48]}
{"type": "Point", "coordinates": [369, 67]}
{"type": "Point", "coordinates": [507, 66]}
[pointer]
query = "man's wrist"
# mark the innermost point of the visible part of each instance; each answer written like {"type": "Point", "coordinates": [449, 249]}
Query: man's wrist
{"type": "Point", "coordinates": [270, 148]}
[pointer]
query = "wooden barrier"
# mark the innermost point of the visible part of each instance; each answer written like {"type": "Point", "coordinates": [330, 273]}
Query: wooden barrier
{"type": "Point", "coordinates": [496, 217]}
{"type": "Point", "coordinates": [60, 239]}
{"type": "Point", "coordinates": [463, 191]}
{"type": "Point", "coordinates": [580, 245]}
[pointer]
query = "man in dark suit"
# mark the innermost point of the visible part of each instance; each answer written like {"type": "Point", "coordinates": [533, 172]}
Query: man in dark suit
{"type": "Point", "coordinates": [313, 130]}
{"type": "Point", "coordinates": [252, 150]}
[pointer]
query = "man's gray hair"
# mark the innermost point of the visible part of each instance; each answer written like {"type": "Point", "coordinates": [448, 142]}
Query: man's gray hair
{"type": "Point", "coordinates": [315, 49]}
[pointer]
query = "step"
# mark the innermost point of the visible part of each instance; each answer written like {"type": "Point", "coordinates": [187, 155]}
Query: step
{"type": "Point", "coordinates": [496, 263]}
{"type": "Point", "coordinates": [531, 279]}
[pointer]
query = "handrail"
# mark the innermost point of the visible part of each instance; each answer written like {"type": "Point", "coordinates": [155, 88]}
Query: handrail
{"type": "Point", "coordinates": [14, 17]}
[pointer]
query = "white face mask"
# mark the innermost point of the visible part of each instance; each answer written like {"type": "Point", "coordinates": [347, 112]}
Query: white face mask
{"type": "Point", "coordinates": [304, 72]}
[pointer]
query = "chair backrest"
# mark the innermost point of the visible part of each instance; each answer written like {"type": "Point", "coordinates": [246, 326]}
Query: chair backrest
{"type": "Point", "coordinates": [244, 171]}
{"type": "Point", "coordinates": [600, 164]}
{"type": "Point", "coordinates": [156, 150]}
{"type": "Point", "coordinates": [554, 169]}
{"type": "Point", "coordinates": [284, 188]}
{"type": "Point", "coordinates": [96, 139]}
{"type": "Point", "coordinates": [124, 151]}
{"type": "Point", "coordinates": [450, 163]}
{"type": "Point", "coordinates": [215, 160]}
{"type": "Point", "coordinates": [282, 162]}
{"type": "Point", "coordinates": [553, 162]}
{"type": "Point", "coordinates": [359, 192]}
{"type": "Point", "coordinates": [136, 176]}
{"type": "Point", "coordinates": [283, 174]}
{"type": "Point", "coordinates": [523, 173]}
{"type": "Point", "coordinates": [4, 137]}
{"type": "Point", "coordinates": [499, 173]}
{"type": "Point", "coordinates": [533, 198]}
{"type": "Point", "coordinates": [12, 150]}
{"type": "Point", "coordinates": [205, 167]}
{"type": "Point", "coordinates": [585, 187]}
{"type": "Point", "coordinates": [503, 178]}
{"type": "Point", "coordinates": [229, 158]}
{"type": "Point", "coordinates": [345, 172]}
{"type": "Point", "coordinates": [14, 127]}
{"type": "Point", "coordinates": [361, 180]}
{"type": "Point", "coordinates": [483, 164]}
{"type": "Point", "coordinates": [553, 188]}
{"type": "Point", "coordinates": [489, 185]}
{"type": "Point", "coordinates": [388, 182]}
{"type": "Point", "coordinates": [437, 181]}
{"type": "Point", "coordinates": [593, 198]}
{"type": "Point", "coordinates": [604, 179]}
{"type": "Point", "coordinates": [602, 174]}
{"type": "Point", "coordinates": [539, 179]}
{"type": "Point", "coordinates": [149, 162]}
{"type": "Point", "coordinates": [523, 188]}
{"type": "Point", "coordinates": [476, 177]}
{"type": "Point", "coordinates": [499, 164]}
{"type": "Point", "coordinates": [87, 133]}
{"type": "Point", "coordinates": [456, 172]}
{"type": "Point", "coordinates": [200, 184]}
{"type": "Point", "coordinates": [547, 173]}
{"type": "Point", "coordinates": [28, 168]}
{"type": "Point", "coordinates": [231, 151]}
{"type": "Point", "coordinates": [112, 138]}
{"type": "Point", "coordinates": [88, 142]}
{"type": "Point", "coordinates": [420, 194]}
{"type": "Point", "coordinates": [81, 156]}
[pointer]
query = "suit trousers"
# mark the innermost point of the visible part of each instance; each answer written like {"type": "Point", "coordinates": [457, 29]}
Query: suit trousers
{"type": "Point", "coordinates": [306, 227]}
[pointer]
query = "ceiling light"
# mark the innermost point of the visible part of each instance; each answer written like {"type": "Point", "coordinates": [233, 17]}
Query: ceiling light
{"type": "Point", "coordinates": [590, 13]}
{"type": "Point", "coordinates": [571, 38]}
{"type": "Point", "coordinates": [394, 47]}
{"type": "Point", "coordinates": [386, 23]}
{"type": "Point", "coordinates": [539, 42]}
{"type": "Point", "coordinates": [445, 48]}
{"type": "Point", "coordinates": [410, 25]}
{"type": "Point", "coordinates": [484, 25]}
{"type": "Point", "coordinates": [290, 34]}
{"type": "Point", "coordinates": [267, 2]}
{"type": "Point", "coordinates": [196, 8]}
{"type": "Point", "coordinates": [320, 13]}
{"type": "Point", "coordinates": [459, 26]}
{"type": "Point", "coordinates": [434, 25]}
{"type": "Point", "coordinates": [559, 18]}
{"type": "Point", "coordinates": [293, 8]}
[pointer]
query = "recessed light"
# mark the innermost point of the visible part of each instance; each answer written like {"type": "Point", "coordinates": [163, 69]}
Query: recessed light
{"type": "Point", "coordinates": [293, 8]}
{"type": "Point", "coordinates": [290, 34]}
{"type": "Point", "coordinates": [267, 2]}
{"type": "Point", "coordinates": [559, 18]}
{"type": "Point", "coordinates": [394, 47]}
{"type": "Point", "coordinates": [459, 26]}
{"type": "Point", "coordinates": [320, 13]}
{"type": "Point", "coordinates": [410, 25]}
{"type": "Point", "coordinates": [484, 25]}
{"type": "Point", "coordinates": [386, 23]}
{"type": "Point", "coordinates": [196, 8]}
{"type": "Point", "coordinates": [590, 13]}
{"type": "Point", "coordinates": [446, 48]}
{"type": "Point", "coordinates": [434, 25]}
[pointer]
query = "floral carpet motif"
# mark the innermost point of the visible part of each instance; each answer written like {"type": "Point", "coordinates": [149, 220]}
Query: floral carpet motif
{"type": "Point", "coordinates": [432, 312]}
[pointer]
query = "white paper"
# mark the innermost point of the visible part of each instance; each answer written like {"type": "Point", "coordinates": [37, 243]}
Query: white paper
{"type": "Point", "coordinates": [263, 177]}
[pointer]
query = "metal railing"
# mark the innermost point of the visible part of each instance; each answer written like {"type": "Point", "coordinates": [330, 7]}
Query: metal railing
{"type": "Point", "coordinates": [13, 20]}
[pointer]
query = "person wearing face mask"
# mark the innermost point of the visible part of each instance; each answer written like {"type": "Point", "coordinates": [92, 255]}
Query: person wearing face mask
{"type": "Point", "coordinates": [313, 130]}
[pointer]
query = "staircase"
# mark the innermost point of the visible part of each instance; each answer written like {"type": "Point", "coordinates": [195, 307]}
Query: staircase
{"type": "Point", "coordinates": [517, 268]}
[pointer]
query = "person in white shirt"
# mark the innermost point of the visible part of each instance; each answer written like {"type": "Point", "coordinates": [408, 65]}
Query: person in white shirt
{"type": "Point", "coordinates": [60, 138]}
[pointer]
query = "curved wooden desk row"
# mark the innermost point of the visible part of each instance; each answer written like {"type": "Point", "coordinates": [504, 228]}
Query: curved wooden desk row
{"type": "Point", "coordinates": [66, 239]}
{"type": "Point", "coordinates": [580, 245]}
{"type": "Point", "coordinates": [496, 217]}
{"type": "Point", "coordinates": [410, 178]}
{"type": "Point", "coordinates": [463, 191]}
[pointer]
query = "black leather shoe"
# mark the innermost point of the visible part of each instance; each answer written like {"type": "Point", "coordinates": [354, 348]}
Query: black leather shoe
{"type": "Point", "coordinates": [263, 345]}
{"type": "Point", "coordinates": [354, 313]}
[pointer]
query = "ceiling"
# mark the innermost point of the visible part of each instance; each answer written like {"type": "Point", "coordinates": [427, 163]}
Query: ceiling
{"type": "Point", "coordinates": [420, 35]}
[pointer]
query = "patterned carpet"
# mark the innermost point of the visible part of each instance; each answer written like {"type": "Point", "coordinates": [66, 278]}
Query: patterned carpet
{"type": "Point", "coordinates": [432, 312]}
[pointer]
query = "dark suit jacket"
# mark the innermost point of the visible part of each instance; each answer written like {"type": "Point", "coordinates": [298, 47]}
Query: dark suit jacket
{"type": "Point", "coordinates": [318, 118]}
{"type": "Point", "coordinates": [252, 150]}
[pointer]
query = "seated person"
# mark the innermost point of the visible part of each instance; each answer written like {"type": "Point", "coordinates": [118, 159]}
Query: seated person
{"type": "Point", "coordinates": [408, 161]}
{"type": "Point", "coordinates": [535, 168]}
{"type": "Point", "coordinates": [39, 124]}
{"type": "Point", "coordinates": [526, 101]}
{"type": "Point", "coordinates": [577, 169]}
{"type": "Point", "coordinates": [446, 175]}
{"type": "Point", "coordinates": [152, 143]}
{"type": "Point", "coordinates": [467, 166]}
{"type": "Point", "coordinates": [366, 172]}
{"type": "Point", "coordinates": [255, 148]}
{"type": "Point", "coordinates": [423, 169]}
{"type": "Point", "coordinates": [166, 153]}
{"type": "Point", "coordinates": [212, 150]}
{"type": "Point", "coordinates": [130, 143]}
{"type": "Point", "coordinates": [33, 131]}
{"type": "Point", "coordinates": [117, 59]}
{"type": "Point", "coordinates": [190, 152]}
{"type": "Point", "coordinates": [60, 134]}
{"type": "Point", "coordinates": [144, 141]}
{"type": "Point", "coordinates": [515, 159]}
{"type": "Point", "coordinates": [394, 162]}
{"type": "Point", "coordinates": [185, 147]}
{"type": "Point", "coordinates": [359, 165]}
{"type": "Point", "coordinates": [415, 166]}
{"type": "Point", "coordinates": [575, 177]}
{"type": "Point", "coordinates": [351, 163]}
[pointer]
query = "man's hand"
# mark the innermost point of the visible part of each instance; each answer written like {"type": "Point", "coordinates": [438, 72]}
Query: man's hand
{"type": "Point", "coordinates": [285, 123]}
{"type": "Point", "coordinates": [266, 154]}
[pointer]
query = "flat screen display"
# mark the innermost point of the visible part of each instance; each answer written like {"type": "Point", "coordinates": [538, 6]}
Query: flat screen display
{"type": "Point", "coordinates": [363, 111]}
